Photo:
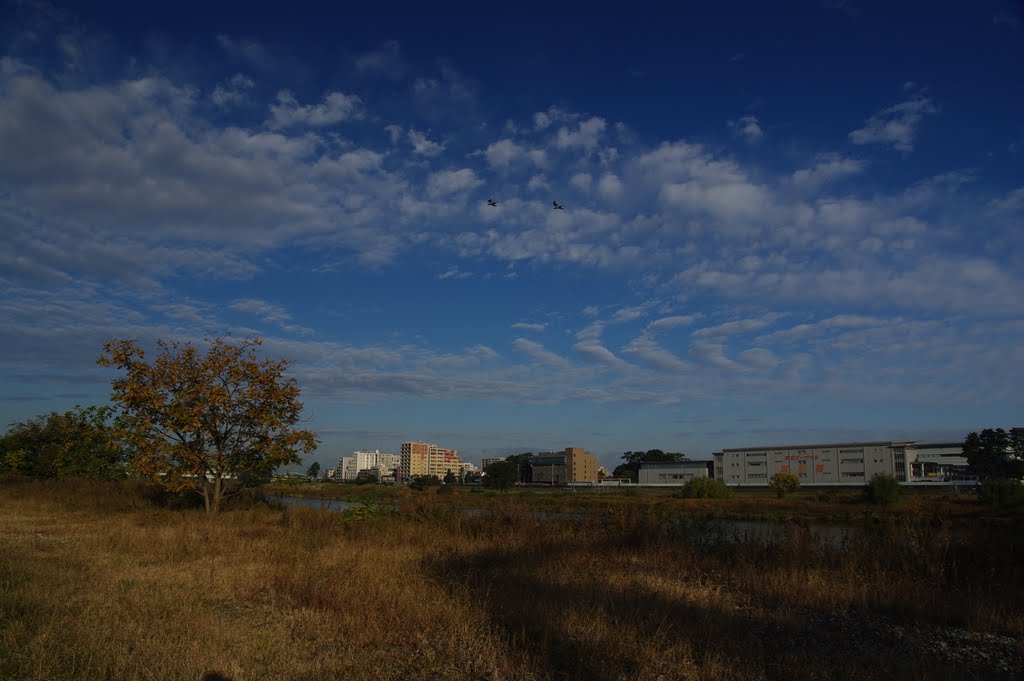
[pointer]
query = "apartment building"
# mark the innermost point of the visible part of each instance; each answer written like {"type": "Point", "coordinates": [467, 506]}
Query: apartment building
{"type": "Point", "coordinates": [423, 458]}
{"type": "Point", "coordinates": [377, 460]}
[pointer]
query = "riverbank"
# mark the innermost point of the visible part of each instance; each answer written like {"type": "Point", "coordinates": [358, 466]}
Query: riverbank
{"type": "Point", "coordinates": [843, 506]}
{"type": "Point", "coordinates": [95, 582]}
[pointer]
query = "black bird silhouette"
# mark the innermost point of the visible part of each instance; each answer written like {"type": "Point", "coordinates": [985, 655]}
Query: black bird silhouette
{"type": "Point", "coordinates": [491, 202]}
{"type": "Point", "coordinates": [556, 206]}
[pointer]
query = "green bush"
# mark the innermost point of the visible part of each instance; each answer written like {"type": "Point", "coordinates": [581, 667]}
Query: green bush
{"type": "Point", "coordinates": [1001, 492]}
{"type": "Point", "coordinates": [446, 489]}
{"type": "Point", "coordinates": [422, 482]}
{"type": "Point", "coordinates": [882, 489]}
{"type": "Point", "coordinates": [705, 488]}
{"type": "Point", "coordinates": [784, 483]}
{"type": "Point", "coordinates": [361, 512]}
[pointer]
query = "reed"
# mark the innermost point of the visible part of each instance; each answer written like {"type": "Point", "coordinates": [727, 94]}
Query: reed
{"type": "Point", "coordinates": [98, 582]}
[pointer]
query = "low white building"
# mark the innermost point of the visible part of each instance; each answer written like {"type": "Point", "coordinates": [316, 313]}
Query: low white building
{"type": "Point", "coordinates": [939, 462]}
{"type": "Point", "coordinates": [673, 472]}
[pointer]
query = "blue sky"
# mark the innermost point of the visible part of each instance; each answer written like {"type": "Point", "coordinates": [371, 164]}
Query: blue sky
{"type": "Point", "coordinates": [795, 223]}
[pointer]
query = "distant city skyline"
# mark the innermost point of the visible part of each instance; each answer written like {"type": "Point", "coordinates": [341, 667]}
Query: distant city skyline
{"type": "Point", "coordinates": [630, 227]}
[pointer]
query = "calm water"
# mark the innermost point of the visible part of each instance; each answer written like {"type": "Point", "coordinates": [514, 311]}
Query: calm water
{"type": "Point", "coordinates": [710, 530]}
{"type": "Point", "coordinates": [326, 504]}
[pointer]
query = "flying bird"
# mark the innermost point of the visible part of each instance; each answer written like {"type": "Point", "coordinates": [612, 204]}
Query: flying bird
{"type": "Point", "coordinates": [556, 206]}
{"type": "Point", "coordinates": [492, 202]}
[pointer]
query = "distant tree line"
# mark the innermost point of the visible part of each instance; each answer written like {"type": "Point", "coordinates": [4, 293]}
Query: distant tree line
{"type": "Point", "coordinates": [76, 444]}
{"type": "Point", "coordinates": [996, 453]}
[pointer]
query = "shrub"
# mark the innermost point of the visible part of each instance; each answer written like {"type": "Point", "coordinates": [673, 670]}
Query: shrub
{"type": "Point", "coordinates": [882, 489]}
{"type": "Point", "coordinates": [784, 483]}
{"type": "Point", "coordinates": [361, 512]}
{"type": "Point", "coordinates": [422, 482]}
{"type": "Point", "coordinates": [1001, 492]}
{"type": "Point", "coordinates": [706, 488]}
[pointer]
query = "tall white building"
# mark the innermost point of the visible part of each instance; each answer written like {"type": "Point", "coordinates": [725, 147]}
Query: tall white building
{"type": "Point", "coordinates": [361, 461]}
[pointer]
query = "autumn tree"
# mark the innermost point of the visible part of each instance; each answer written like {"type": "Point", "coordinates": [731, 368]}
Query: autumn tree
{"type": "Point", "coordinates": [784, 483]}
{"type": "Point", "coordinates": [208, 422]}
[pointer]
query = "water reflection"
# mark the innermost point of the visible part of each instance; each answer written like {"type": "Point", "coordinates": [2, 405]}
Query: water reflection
{"type": "Point", "coordinates": [706, 532]}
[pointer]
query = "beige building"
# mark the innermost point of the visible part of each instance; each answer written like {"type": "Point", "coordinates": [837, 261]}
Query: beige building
{"type": "Point", "coordinates": [422, 458]}
{"type": "Point", "coordinates": [574, 465]}
{"type": "Point", "coordinates": [581, 465]}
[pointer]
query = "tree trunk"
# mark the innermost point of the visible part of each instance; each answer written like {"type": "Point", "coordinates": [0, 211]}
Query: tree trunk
{"type": "Point", "coordinates": [218, 492]}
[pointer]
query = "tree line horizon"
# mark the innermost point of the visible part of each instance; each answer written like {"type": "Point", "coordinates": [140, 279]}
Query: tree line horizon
{"type": "Point", "coordinates": [219, 421]}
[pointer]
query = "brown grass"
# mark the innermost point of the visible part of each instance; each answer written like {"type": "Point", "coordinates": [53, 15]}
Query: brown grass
{"type": "Point", "coordinates": [96, 583]}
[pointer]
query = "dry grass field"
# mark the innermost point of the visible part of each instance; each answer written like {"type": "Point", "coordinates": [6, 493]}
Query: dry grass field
{"type": "Point", "coordinates": [96, 582]}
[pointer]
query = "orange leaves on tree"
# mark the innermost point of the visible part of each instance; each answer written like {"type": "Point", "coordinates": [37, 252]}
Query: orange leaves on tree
{"type": "Point", "coordinates": [209, 421]}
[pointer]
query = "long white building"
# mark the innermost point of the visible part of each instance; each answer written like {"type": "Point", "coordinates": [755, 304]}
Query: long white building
{"type": "Point", "coordinates": [848, 463]}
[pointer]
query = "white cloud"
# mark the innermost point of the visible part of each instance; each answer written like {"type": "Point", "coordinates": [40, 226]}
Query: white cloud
{"type": "Point", "coordinates": [385, 60]}
{"type": "Point", "coordinates": [544, 119]}
{"type": "Point", "coordinates": [264, 310]}
{"type": "Point", "coordinates": [645, 350]}
{"type": "Point", "coordinates": [394, 132]}
{"type": "Point", "coordinates": [503, 153]}
{"type": "Point", "coordinates": [729, 203]}
{"type": "Point", "coordinates": [599, 354]}
{"type": "Point", "coordinates": [455, 273]}
{"type": "Point", "coordinates": [529, 326]}
{"type": "Point", "coordinates": [538, 182]}
{"type": "Point", "coordinates": [448, 96]}
{"type": "Point", "coordinates": [897, 125]}
{"type": "Point", "coordinates": [424, 146]}
{"type": "Point", "coordinates": [591, 332]}
{"type": "Point", "coordinates": [581, 181]}
{"type": "Point", "coordinates": [1011, 204]}
{"type": "Point", "coordinates": [233, 91]}
{"type": "Point", "coordinates": [748, 128]}
{"type": "Point", "coordinates": [251, 51]}
{"type": "Point", "coordinates": [539, 353]}
{"type": "Point", "coordinates": [667, 323]}
{"type": "Point", "coordinates": [759, 358]}
{"type": "Point", "coordinates": [827, 168]}
{"type": "Point", "coordinates": [336, 107]}
{"type": "Point", "coordinates": [586, 136]}
{"type": "Point", "coordinates": [802, 332]}
{"type": "Point", "coordinates": [610, 187]}
{"type": "Point", "coordinates": [738, 326]}
{"type": "Point", "coordinates": [448, 182]}
{"type": "Point", "coordinates": [628, 314]}
{"type": "Point", "coordinates": [271, 313]}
